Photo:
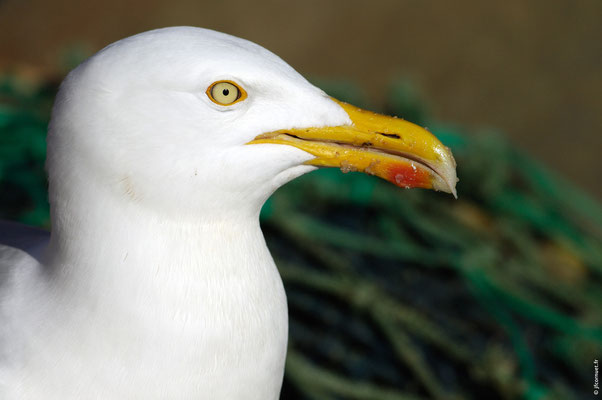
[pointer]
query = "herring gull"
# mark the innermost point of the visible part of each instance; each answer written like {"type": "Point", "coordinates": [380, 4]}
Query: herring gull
{"type": "Point", "coordinates": [156, 281]}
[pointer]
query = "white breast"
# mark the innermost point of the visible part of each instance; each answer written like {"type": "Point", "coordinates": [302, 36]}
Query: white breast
{"type": "Point", "coordinates": [213, 330]}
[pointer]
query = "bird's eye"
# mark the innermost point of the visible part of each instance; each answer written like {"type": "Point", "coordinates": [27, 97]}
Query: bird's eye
{"type": "Point", "coordinates": [226, 93]}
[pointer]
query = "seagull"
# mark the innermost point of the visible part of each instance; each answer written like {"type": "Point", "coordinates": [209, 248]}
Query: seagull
{"type": "Point", "coordinates": [155, 281]}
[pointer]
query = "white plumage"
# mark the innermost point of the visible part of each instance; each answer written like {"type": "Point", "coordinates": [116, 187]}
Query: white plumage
{"type": "Point", "coordinates": [157, 283]}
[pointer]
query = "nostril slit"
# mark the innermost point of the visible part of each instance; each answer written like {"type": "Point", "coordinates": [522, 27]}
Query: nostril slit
{"type": "Point", "coordinates": [391, 135]}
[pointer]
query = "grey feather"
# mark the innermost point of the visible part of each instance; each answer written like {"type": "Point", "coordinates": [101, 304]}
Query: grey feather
{"type": "Point", "coordinates": [32, 241]}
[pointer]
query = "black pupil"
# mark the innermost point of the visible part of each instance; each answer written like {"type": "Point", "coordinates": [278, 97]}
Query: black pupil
{"type": "Point", "coordinates": [225, 92]}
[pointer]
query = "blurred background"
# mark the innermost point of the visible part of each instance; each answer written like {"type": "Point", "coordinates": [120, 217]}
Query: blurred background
{"type": "Point", "coordinates": [395, 294]}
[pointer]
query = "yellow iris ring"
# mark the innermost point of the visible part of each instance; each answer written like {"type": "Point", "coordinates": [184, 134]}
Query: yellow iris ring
{"type": "Point", "coordinates": [242, 94]}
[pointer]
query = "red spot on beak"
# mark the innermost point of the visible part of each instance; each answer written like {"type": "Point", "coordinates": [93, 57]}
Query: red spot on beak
{"type": "Point", "coordinates": [409, 176]}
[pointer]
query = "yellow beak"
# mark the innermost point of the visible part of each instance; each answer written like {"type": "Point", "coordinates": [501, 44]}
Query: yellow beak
{"type": "Point", "coordinates": [388, 147]}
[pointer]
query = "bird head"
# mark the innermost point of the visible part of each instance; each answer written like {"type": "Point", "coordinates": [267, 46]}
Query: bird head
{"type": "Point", "coordinates": [189, 121]}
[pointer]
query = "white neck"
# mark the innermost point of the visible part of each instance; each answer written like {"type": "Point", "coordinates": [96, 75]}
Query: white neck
{"type": "Point", "coordinates": [119, 245]}
{"type": "Point", "coordinates": [198, 303]}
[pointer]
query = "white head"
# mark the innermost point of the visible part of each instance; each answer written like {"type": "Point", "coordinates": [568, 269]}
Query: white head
{"type": "Point", "coordinates": [136, 121]}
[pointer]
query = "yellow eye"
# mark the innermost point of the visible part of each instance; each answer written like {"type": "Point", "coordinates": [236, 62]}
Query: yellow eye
{"type": "Point", "coordinates": [226, 93]}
